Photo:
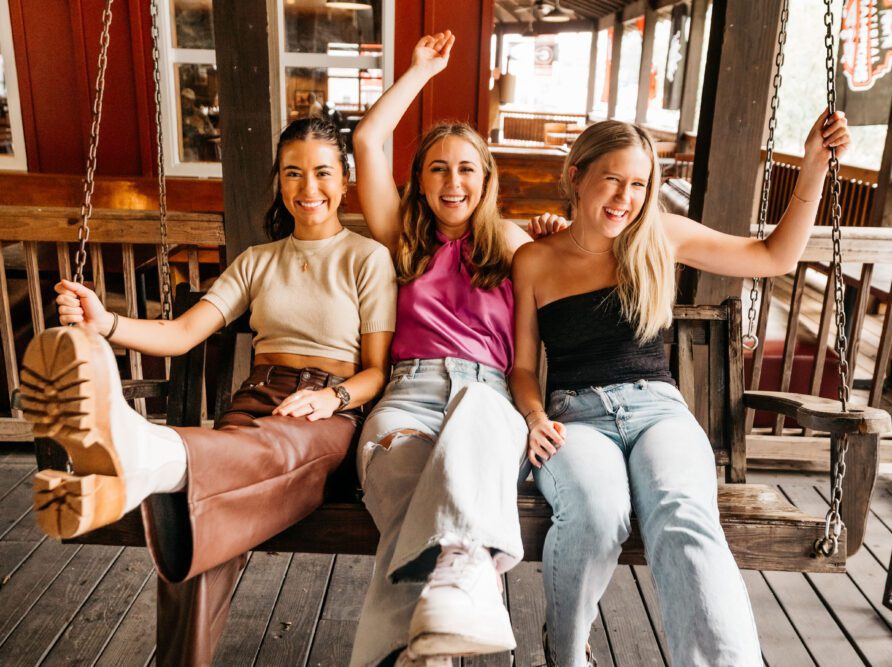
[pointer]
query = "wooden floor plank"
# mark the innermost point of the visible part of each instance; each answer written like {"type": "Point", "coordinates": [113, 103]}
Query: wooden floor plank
{"type": "Point", "coordinates": [99, 617]}
{"type": "Point", "coordinates": [526, 602]}
{"type": "Point", "coordinates": [28, 582]}
{"type": "Point", "coordinates": [652, 604]}
{"type": "Point", "coordinates": [133, 642]}
{"type": "Point", "coordinates": [824, 639]}
{"type": "Point", "coordinates": [11, 475]}
{"type": "Point", "coordinates": [780, 644]}
{"type": "Point", "coordinates": [252, 606]}
{"type": "Point", "coordinates": [336, 629]}
{"type": "Point", "coordinates": [293, 622]}
{"type": "Point", "coordinates": [15, 505]}
{"type": "Point", "coordinates": [631, 637]}
{"type": "Point", "coordinates": [332, 643]}
{"type": "Point", "coordinates": [12, 556]}
{"type": "Point", "coordinates": [48, 618]}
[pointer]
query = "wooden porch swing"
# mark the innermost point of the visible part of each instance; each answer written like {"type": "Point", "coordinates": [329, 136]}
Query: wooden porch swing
{"type": "Point", "coordinates": [763, 529]}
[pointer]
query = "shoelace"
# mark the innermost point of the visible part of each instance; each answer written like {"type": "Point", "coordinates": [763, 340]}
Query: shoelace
{"type": "Point", "coordinates": [455, 565]}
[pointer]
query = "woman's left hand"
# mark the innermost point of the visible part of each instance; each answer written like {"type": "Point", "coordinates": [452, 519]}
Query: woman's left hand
{"type": "Point", "coordinates": [825, 134]}
{"type": "Point", "coordinates": [309, 403]}
{"type": "Point", "coordinates": [546, 224]}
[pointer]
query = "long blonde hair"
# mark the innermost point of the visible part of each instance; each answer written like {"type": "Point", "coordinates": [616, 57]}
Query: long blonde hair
{"type": "Point", "coordinates": [488, 254]}
{"type": "Point", "coordinates": [645, 265]}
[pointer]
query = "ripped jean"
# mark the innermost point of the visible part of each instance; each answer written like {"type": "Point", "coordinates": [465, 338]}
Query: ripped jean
{"type": "Point", "coordinates": [447, 469]}
{"type": "Point", "coordinates": [637, 446]}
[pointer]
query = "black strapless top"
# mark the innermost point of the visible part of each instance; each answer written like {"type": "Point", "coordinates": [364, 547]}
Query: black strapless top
{"type": "Point", "coordinates": [588, 343]}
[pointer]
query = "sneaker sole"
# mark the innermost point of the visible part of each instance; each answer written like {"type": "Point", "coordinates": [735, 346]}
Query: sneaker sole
{"type": "Point", "coordinates": [437, 638]}
{"type": "Point", "coordinates": [66, 395]}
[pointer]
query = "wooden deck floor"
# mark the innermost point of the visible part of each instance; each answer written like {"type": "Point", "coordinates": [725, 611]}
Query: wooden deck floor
{"type": "Point", "coordinates": [93, 605]}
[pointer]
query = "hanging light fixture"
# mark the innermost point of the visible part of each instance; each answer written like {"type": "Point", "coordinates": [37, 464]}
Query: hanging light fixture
{"type": "Point", "coordinates": [556, 15]}
{"type": "Point", "coordinates": [361, 5]}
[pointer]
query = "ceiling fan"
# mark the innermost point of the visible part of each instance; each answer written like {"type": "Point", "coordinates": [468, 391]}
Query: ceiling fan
{"type": "Point", "coordinates": [544, 10]}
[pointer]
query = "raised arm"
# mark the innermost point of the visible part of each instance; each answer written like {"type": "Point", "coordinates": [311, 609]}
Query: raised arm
{"type": "Point", "coordinates": [378, 195]}
{"type": "Point", "coordinates": [545, 436]}
{"type": "Point", "coordinates": [161, 338]}
{"type": "Point", "coordinates": [703, 248]}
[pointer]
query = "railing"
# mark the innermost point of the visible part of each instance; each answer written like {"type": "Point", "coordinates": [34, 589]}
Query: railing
{"type": "Point", "coordinates": [37, 248]}
{"type": "Point", "coordinates": [530, 126]}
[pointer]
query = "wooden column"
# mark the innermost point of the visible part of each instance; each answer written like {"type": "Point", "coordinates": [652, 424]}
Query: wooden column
{"type": "Point", "coordinates": [592, 71]}
{"type": "Point", "coordinates": [881, 213]}
{"type": "Point", "coordinates": [614, 65]}
{"type": "Point", "coordinates": [247, 64]}
{"type": "Point", "coordinates": [733, 113]}
{"type": "Point", "coordinates": [647, 56]}
{"type": "Point", "coordinates": [692, 68]}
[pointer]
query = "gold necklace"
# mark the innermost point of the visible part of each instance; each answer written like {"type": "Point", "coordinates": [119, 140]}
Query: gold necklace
{"type": "Point", "coordinates": [307, 256]}
{"type": "Point", "coordinates": [583, 248]}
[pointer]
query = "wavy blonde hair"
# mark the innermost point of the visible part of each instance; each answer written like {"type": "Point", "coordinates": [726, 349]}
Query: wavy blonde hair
{"type": "Point", "coordinates": [488, 253]}
{"type": "Point", "coordinates": [645, 264]}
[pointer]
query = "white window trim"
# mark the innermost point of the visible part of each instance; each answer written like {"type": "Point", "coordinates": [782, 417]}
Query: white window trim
{"type": "Point", "coordinates": [290, 59]}
{"type": "Point", "coordinates": [170, 57]}
{"type": "Point", "coordinates": [18, 161]}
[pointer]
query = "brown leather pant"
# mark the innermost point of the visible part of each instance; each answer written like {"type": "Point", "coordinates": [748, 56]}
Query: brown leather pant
{"type": "Point", "coordinates": [249, 479]}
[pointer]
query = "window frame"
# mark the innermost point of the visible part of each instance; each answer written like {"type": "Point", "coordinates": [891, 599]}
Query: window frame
{"type": "Point", "coordinates": [170, 57]}
{"type": "Point", "coordinates": [18, 161]}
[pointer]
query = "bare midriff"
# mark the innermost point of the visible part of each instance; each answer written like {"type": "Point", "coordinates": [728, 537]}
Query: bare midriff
{"type": "Point", "coordinates": [333, 366]}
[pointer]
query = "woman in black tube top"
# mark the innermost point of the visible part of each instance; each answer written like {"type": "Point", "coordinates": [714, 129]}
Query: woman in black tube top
{"type": "Point", "coordinates": [616, 434]}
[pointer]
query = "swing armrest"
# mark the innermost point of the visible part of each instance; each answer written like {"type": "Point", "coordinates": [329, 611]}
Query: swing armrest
{"type": "Point", "coordinates": [820, 414]}
{"type": "Point", "coordinates": [144, 389]}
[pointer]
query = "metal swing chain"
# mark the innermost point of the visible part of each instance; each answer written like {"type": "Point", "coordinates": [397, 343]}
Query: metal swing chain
{"type": "Point", "coordinates": [750, 340]}
{"type": "Point", "coordinates": [166, 305]}
{"type": "Point", "coordinates": [828, 545]}
{"type": "Point", "coordinates": [83, 232]}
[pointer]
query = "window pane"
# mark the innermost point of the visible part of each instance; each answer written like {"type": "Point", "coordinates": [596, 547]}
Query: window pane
{"type": "Point", "coordinates": [199, 113]}
{"type": "Point", "coordinates": [629, 64]}
{"type": "Point", "coordinates": [310, 27]}
{"type": "Point", "coordinates": [339, 93]}
{"type": "Point", "coordinates": [193, 24]}
{"type": "Point", "coordinates": [5, 130]}
{"type": "Point", "coordinates": [602, 74]}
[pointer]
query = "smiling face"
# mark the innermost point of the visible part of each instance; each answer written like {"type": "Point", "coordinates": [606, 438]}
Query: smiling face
{"type": "Point", "coordinates": [452, 181]}
{"type": "Point", "coordinates": [611, 192]}
{"type": "Point", "coordinates": [312, 183]}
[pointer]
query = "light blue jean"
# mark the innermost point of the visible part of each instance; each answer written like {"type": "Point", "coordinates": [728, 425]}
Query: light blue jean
{"type": "Point", "coordinates": [637, 446]}
{"type": "Point", "coordinates": [453, 476]}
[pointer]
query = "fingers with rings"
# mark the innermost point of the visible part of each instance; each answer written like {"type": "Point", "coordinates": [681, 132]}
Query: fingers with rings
{"type": "Point", "coordinates": [298, 404]}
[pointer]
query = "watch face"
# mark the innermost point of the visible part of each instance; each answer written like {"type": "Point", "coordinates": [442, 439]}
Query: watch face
{"type": "Point", "coordinates": [343, 394]}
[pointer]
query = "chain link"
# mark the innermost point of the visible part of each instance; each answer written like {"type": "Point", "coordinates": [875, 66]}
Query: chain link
{"type": "Point", "coordinates": [828, 545]}
{"type": "Point", "coordinates": [750, 340]}
{"type": "Point", "coordinates": [164, 268]}
{"type": "Point", "coordinates": [83, 232]}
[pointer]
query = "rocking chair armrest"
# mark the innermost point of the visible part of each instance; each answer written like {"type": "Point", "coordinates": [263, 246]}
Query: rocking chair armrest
{"type": "Point", "coordinates": [144, 389]}
{"type": "Point", "coordinates": [820, 414]}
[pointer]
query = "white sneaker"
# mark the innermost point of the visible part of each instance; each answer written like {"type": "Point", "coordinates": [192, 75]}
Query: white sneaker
{"type": "Point", "coordinates": [460, 611]}
{"type": "Point", "coordinates": [71, 392]}
{"type": "Point", "coordinates": [406, 659]}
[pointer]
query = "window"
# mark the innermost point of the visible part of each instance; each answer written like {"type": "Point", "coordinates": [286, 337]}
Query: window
{"type": "Point", "coordinates": [12, 138]}
{"type": "Point", "coordinates": [629, 64]}
{"type": "Point", "coordinates": [191, 113]}
{"type": "Point", "coordinates": [602, 74]}
{"type": "Point", "coordinates": [334, 61]}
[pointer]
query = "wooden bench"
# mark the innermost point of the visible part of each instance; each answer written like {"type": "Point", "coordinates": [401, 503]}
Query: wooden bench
{"type": "Point", "coordinates": [764, 530]}
{"type": "Point", "coordinates": [37, 248]}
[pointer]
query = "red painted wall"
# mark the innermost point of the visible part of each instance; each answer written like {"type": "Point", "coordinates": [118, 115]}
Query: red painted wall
{"type": "Point", "coordinates": [57, 47]}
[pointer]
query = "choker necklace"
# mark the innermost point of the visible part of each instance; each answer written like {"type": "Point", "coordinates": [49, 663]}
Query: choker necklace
{"type": "Point", "coordinates": [583, 248]}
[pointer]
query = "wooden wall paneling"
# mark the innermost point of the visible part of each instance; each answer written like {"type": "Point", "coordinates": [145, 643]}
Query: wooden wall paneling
{"type": "Point", "coordinates": [144, 83]}
{"type": "Point", "coordinates": [687, 114]}
{"type": "Point", "coordinates": [409, 25]}
{"type": "Point", "coordinates": [84, 73]}
{"type": "Point", "coordinates": [617, 49]}
{"type": "Point", "coordinates": [23, 74]}
{"type": "Point", "coordinates": [487, 25]}
{"type": "Point", "coordinates": [881, 215]}
{"type": "Point", "coordinates": [64, 260]}
{"type": "Point", "coordinates": [644, 67]}
{"type": "Point", "coordinates": [35, 297]}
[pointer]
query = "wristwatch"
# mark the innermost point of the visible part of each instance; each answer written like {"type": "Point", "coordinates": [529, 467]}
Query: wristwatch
{"type": "Point", "coordinates": [343, 395]}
